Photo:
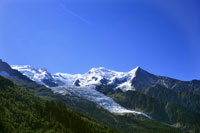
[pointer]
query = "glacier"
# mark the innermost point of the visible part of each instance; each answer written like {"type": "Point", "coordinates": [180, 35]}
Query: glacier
{"type": "Point", "coordinates": [90, 93]}
{"type": "Point", "coordinates": [87, 85]}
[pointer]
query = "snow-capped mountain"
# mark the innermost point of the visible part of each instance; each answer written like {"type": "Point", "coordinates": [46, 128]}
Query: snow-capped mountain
{"type": "Point", "coordinates": [94, 77]}
{"type": "Point", "coordinates": [85, 85]}
{"type": "Point", "coordinates": [8, 72]}
{"type": "Point", "coordinates": [98, 76]}
{"type": "Point", "coordinates": [41, 75]}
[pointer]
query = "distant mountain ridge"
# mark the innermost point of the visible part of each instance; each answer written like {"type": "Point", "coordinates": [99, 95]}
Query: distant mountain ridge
{"type": "Point", "coordinates": [95, 76]}
{"type": "Point", "coordinates": [137, 79]}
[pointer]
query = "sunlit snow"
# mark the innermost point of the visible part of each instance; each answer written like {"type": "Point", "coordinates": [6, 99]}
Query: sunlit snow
{"type": "Point", "coordinates": [88, 83]}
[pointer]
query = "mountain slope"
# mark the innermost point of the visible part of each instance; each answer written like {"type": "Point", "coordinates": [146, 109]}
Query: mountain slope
{"type": "Point", "coordinates": [7, 71]}
{"type": "Point", "coordinates": [21, 111]}
{"type": "Point", "coordinates": [166, 112]}
{"type": "Point", "coordinates": [187, 99]}
{"type": "Point", "coordinates": [41, 76]}
{"type": "Point", "coordinates": [144, 80]}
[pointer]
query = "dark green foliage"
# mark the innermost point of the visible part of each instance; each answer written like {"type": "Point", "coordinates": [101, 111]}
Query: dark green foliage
{"type": "Point", "coordinates": [37, 89]}
{"type": "Point", "coordinates": [23, 112]}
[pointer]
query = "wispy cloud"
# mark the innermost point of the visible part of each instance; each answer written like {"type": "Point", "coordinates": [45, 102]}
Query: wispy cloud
{"type": "Point", "coordinates": [74, 14]}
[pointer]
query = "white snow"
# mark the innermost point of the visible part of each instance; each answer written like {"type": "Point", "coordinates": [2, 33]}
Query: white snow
{"type": "Point", "coordinates": [92, 77]}
{"type": "Point", "coordinates": [34, 74]}
{"type": "Point", "coordinates": [95, 75]}
{"type": "Point", "coordinates": [88, 83]}
{"type": "Point", "coordinates": [67, 79]}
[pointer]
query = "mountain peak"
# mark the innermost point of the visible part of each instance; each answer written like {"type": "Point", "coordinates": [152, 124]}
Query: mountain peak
{"type": "Point", "coordinates": [135, 69]}
{"type": "Point", "coordinates": [138, 67]}
{"type": "Point", "coordinates": [101, 71]}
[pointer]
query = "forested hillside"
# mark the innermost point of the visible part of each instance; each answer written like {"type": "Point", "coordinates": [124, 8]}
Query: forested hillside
{"type": "Point", "coordinates": [23, 112]}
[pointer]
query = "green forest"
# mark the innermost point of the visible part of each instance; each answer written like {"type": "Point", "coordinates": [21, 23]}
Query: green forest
{"type": "Point", "coordinates": [23, 112]}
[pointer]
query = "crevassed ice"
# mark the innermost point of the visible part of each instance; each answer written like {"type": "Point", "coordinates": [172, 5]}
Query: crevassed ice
{"type": "Point", "coordinates": [89, 93]}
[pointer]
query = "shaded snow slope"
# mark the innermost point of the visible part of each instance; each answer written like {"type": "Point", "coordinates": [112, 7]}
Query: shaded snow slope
{"type": "Point", "coordinates": [41, 75]}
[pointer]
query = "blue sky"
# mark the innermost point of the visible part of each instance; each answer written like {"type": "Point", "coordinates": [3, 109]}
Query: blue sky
{"type": "Point", "coordinates": [72, 36]}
